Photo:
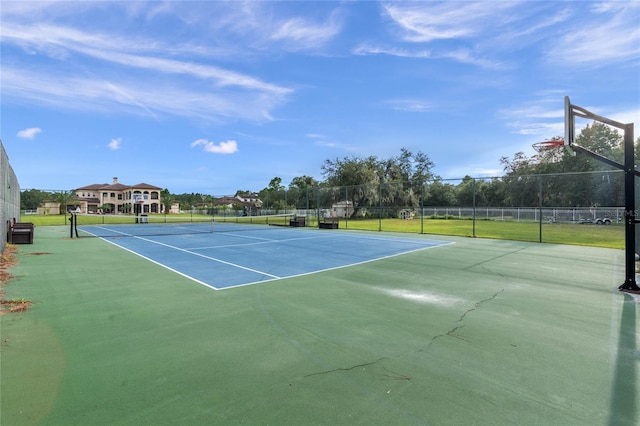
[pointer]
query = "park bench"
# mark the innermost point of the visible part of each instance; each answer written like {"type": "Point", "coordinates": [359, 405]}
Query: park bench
{"type": "Point", "coordinates": [19, 232]}
{"type": "Point", "coordinates": [298, 221]}
{"type": "Point", "coordinates": [328, 223]}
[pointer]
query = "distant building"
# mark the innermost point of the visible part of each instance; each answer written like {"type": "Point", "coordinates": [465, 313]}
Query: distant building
{"type": "Point", "coordinates": [49, 207]}
{"type": "Point", "coordinates": [249, 203]}
{"type": "Point", "coordinates": [342, 209]}
{"type": "Point", "coordinates": [248, 198]}
{"type": "Point", "coordinates": [226, 202]}
{"type": "Point", "coordinates": [117, 198]}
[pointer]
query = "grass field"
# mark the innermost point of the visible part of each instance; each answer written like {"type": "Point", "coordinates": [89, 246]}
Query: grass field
{"type": "Point", "coordinates": [611, 236]}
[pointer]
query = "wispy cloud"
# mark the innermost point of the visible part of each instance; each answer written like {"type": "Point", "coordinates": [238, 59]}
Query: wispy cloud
{"type": "Point", "coordinates": [325, 141]}
{"type": "Point", "coordinates": [428, 21]}
{"type": "Point", "coordinates": [478, 32]}
{"type": "Point", "coordinates": [224, 147]}
{"type": "Point", "coordinates": [543, 118]}
{"type": "Point", "coordinates": [136, 96]}
{"type": "Point", "coordinates": [391, 51]}
{"type": "Point", "coordinates": [29, 133]}
{"type": "Point", "coordinates": [204, 91]}
{"type": "Point", "coordinates": [290, 29]}
{"type": "Point", "coordinates": [115, 144]}
{"type": "Point", "coordinates": [411, 105]}
{"type": "Point", "coordinates": [301, 33]}
{"type": "Point", "coordinates": [61, 41]}
{"type": "Point", "coordinates": [614, 36]}
{"type": "Point", "coordinates": [450, 30]}
{"type": "Point", "coordinates": [467, 56]}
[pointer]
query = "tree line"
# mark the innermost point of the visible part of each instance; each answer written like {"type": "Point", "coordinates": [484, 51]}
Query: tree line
{"type": "Point", "coordinates": [408, 180]}
{"type": "Point", "coordinates": [552, 177]}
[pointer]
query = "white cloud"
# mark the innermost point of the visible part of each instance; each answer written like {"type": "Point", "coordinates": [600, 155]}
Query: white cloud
{"type": "Point", "coordinates": [596, 47]}
{"type": "Point", "coordinates": [612, 36]}
{"type": "Point", "coordinates": [364, 50]}
{"type": "Point", "coordinates": [315, 136]}
{"type": "Point", "coordinates": [115, 144]}
{"type": "Point", "coordinates": [594, 35]}
{"type": "Point", "coordinates": [29, 133]}
{"type": "Point", "coordinates": [225, 147]}
{"type": "Point", "coordinates": [428, 21]}
{"type": "Point", "coordinates": [300, 33]}
{"type": "Point", "coordinates": [411, 105]}
{"type": "Point", "coordinates": [136, 96]}
{"type": "Point", "coordinates": [59, 41]}
{"type": "Point", "coordinates": [205, 91]}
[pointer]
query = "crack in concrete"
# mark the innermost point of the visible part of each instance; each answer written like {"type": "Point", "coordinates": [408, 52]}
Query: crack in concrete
{"type": "Point", "coordinates": [477, 305]}
{"type": "Point", "coordinates": [494, 258]}
{"type": "Point", "coordinates": [450, 333]}
{"type": "Point", "coordinates": [346, 368]}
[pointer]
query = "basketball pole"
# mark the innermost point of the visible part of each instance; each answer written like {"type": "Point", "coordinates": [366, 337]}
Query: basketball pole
{"type": "Point", "coordinates": [630, 212]}
{"type": "Point", "coordinates": [630, 173]}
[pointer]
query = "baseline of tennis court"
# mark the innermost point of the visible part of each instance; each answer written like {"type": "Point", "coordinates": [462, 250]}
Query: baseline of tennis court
{"type": "Point", "coordinates": [223, 260]}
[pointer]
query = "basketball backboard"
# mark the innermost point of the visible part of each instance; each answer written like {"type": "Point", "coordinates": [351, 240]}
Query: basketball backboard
{"type": "Point", "coordinates": [569, 123]}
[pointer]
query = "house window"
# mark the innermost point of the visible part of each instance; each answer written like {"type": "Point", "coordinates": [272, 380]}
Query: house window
{"type": "Point", "coordinates": [119, 196]}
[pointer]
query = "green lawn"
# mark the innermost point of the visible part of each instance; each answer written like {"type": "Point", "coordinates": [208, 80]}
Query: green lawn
{"type": "Point", "coordinates": [46, 219]}
{"type": "Point", "coordinates": [611, 236]}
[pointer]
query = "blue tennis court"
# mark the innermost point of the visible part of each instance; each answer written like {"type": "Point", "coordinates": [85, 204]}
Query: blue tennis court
{"type": "Point", "coordinates": [223, 260]}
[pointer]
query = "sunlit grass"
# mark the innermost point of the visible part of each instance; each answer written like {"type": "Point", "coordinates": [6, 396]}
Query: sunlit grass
{"type": "Point", "coordinates": [611, 236]}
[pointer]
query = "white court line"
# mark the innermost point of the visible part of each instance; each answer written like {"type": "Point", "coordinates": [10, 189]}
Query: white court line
{"type": "Point", "coordinates": [275, 277]}
{"type": "Point", "coordinates": [160, 264]}
{"type": "Point", "coordinates": [444, 243]}
{"type": "Point", "coordinates": [209, 257]}
{"type": "Point", "coordinates": [249, 237]}
{"type": "Point", "coordinates": [286, 240]}
{"type": "Point", "coordinates": [323, 236]}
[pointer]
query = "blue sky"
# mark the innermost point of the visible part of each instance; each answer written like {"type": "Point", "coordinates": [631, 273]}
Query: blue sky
{"type": "Point", "coordinates": [213, 97]}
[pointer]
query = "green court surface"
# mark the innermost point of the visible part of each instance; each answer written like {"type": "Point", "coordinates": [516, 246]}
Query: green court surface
{"type": "Point", "coordinates": [481, 331]}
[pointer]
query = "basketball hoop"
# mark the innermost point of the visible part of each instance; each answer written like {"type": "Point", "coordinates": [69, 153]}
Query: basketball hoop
{"type": "Point", "coordinates": [546, 145]}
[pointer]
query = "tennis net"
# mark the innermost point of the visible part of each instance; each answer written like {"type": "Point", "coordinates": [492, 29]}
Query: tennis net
{"type": "Point", "coordinates": [115, 226]}
{"type": "Point", "coordinates": [240, 223]}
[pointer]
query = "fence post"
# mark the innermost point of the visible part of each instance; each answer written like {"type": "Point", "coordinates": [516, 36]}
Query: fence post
{"type": "Point", "coordinates": [318, 206]}
{"type": "Point", "coordinates": [422, 208]}
{"type": "Point", "coordinates": [540, 208]}
{"type": "Point", "coordinates": [346, 207]}
{"type": "Point", "coordinates": [306, 195]}
{"type": "Point", "coordinates": [474, 208]}
{"type": "Point", "coordinates": [380, 206]}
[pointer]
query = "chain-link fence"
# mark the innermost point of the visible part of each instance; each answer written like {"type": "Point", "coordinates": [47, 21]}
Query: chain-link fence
{"type": "Point", "coordinates": [549, 208]}
{"type": "Point", "coordinates": [545, 208]}
{"type": "Point", "coordinates": [9, 196]}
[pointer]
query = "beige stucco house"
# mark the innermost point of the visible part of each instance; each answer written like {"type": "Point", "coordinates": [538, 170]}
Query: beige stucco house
{"type": "Point", "coordinates": [118, 198]}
